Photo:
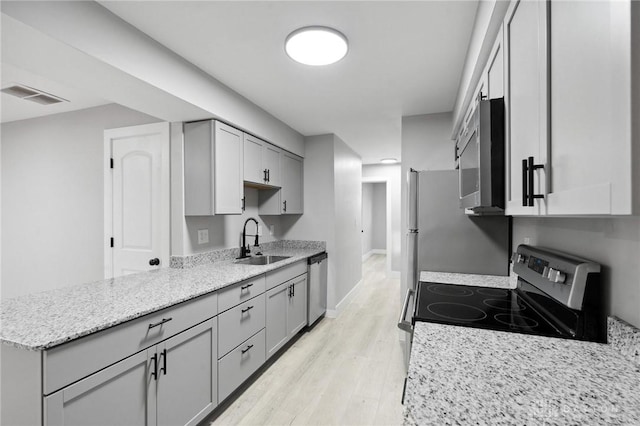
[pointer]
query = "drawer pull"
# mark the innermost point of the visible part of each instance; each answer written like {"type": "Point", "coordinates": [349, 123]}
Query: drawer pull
{"type": "Point", "coordinates": [159, 323]}
{"type": "Point", "coordinates": [247, 309]}
{"type": "Point", "coordinates": [246, 349]}
{"type": "Point", "coordinates": [244, 287]}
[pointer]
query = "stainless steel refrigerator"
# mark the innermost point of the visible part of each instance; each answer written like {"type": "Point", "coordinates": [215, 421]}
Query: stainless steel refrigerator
{"type": "Point", "coordinates": [442, 238]}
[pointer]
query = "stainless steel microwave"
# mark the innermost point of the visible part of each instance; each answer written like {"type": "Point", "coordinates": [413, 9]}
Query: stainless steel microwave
{"type": "Point", "coordinates": [481, 159]}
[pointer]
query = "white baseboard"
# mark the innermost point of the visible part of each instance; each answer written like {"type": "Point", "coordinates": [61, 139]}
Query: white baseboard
{"type": "Point", "coordinates": [379, 251]}
{"type": "Point", "coordinates": [334, 313]}
{"type": "Point", "coordinates": [366, 255]}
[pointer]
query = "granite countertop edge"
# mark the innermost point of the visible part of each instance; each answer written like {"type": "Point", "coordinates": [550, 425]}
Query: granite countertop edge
{"type": "Point", "coordinates": [21, 337]}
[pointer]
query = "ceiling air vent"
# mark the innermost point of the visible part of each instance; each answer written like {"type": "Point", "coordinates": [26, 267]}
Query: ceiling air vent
{"type": "Point", "coordinates": [33, 95]}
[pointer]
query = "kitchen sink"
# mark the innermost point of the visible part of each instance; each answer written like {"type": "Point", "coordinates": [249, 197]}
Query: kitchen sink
{"type": "Point", "coordinates": [261, 260]}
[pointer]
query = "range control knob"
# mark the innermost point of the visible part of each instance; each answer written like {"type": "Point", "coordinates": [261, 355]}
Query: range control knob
{"type": "Point", "coordinates": [557, 276]}
{"type": "Point", "coordinates": [517, 258]}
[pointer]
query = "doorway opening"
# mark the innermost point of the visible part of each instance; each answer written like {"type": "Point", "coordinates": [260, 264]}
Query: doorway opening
{"type": "Point", "coordinates": [375, 238]}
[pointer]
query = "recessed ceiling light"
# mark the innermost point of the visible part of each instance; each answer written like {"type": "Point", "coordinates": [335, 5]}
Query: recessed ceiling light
{"type": "Point", "coordinates": [389, 161]}
{"type": "Point", "coordinates": [316, 45]}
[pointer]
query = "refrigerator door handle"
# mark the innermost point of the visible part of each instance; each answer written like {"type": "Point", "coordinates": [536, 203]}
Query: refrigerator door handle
{"type": "Point", "coordinates": [403, 324]}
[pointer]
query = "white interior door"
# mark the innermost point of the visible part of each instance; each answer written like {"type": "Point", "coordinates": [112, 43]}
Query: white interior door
{"type": "Point", "coordinates": [137, 217]}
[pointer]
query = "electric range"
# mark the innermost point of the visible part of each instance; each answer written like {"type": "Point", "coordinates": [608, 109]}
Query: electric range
{"type": "Point", "coordinates": [557, 295]}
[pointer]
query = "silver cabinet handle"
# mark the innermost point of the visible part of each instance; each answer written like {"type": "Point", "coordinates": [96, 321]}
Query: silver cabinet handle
{"type": "Point", "coordinates": [402, 323]}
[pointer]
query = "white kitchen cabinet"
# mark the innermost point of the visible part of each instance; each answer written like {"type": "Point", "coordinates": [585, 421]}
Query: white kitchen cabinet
{"type": "Point", "coordinates": [213, 169]}
{"type": "Point", "coordinates": [261, 162]}
{"type": "Point", "coordinates": [494, 70]}
{"type": "Point", "coordinates": [146, 388]}
{"type": "Point", "coordinates": [569, 101]}
{"type": "Point", "coordinates": [289, 198]}
{"type": "Point", "coordinates": [591, 107]}
{"type": "Point", "coordinates": [239, 364]}
{"type": "Point", "coordinates": [525, 56]}
{"type": "Point", "coordinates": [286, 313]}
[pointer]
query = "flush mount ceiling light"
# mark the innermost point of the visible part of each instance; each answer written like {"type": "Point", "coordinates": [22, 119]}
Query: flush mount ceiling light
{"type": "Point", "coordinates": [389, 161]}
{"type": "Point", "coordinates": [316, 45]}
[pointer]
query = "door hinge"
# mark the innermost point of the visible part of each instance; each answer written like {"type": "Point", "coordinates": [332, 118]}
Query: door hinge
{"type": "Point", "coordinates": [111, 162]}
{"type": "Point", "coordinates": [111, 241]}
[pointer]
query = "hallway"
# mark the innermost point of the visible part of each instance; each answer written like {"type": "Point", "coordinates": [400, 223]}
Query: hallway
{"type": "Point", "coordinates": [347, 371]}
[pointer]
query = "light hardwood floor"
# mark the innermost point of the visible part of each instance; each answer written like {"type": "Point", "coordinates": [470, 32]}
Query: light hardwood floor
{"type": "Point", "coordinates": [346, 371]}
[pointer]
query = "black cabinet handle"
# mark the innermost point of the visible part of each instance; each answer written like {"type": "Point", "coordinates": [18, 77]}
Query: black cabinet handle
{"type": "Point", "coordinates": [285, 205]}
{"type": "Point", "coordinates": [246, 349]}
{"type": "Point", "coordinates": [154, 262]}
{"type": "Point", "coordinates": [243, 204]}
{"type": "Point", "coordinates": [264, 175]}
{"type": "Point", "coordinates": [163, 355]}
{"type": "Point", "coordinates": [268, 175]}
{"type": "Point", "coordinates": [525, 197]}
{"type": "Point", "coordinates": [247, 309]}
{"type": "Point", "coordinates": [159, 323]}
{"type": "Point", "coordinates": [244, 287]}
{"type": "Point", "coordinates": [531, 167]}
{"type": "Point", "coordinates": [154, 372]}
{"type": "Point", "coordinates": [290, 294]}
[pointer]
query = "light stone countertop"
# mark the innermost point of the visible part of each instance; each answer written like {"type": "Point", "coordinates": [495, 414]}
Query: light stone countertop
{"type": "Point", "coordinates": [464, 375]}
{"type": "Point", "coordinates": [469, 279]}
{"type": "Point", "coordinates": [42, 320]}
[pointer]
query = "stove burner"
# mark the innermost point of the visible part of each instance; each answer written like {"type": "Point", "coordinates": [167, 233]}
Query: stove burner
{"type": "Point", "coordinates": [516, 321]}
{"type": "Point", "coordinates": [456, 311]}
{"type": "Point", "coordinates": [493, 292]}
{"type": "Point", "coordinates": [449, 290]}
{"type": "Point", "coordinates": [505, 305]}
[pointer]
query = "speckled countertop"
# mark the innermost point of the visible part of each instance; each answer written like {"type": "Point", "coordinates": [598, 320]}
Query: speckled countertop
{"type": "Point", "coordinates": [464, 375]}
{"type": "Point", "coordinates": [42, 320]}
{"type": "Point", "coordinates": [468, 279]}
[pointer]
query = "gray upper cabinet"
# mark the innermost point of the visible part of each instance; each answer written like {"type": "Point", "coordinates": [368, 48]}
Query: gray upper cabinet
{"type": "Point", "coordinates": [213, 169]}
{"type": "Point", "coordinates": [288, 199]}
{"type": "Point", "coordinates": [261, 162]}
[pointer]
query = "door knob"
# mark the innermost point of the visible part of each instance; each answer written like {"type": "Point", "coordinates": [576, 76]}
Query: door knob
{"type": "Point", "coordinates": [154, 262]}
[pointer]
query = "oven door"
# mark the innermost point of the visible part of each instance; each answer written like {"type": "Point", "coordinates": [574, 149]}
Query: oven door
{"type": "Point", "coordinates": [405, 323]}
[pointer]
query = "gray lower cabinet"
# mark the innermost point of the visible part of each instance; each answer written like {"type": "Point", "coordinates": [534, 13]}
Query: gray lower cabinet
{"type": "Point", "coordinates": [147, 388]}
{"type": "Point", "coordinates": [286, 312]}
{"type": "Point", "coordinates": [239, 364]}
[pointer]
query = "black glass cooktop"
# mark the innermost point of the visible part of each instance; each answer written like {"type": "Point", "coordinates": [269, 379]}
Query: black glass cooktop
{"type": "Point", "coordinates": [482, 307]}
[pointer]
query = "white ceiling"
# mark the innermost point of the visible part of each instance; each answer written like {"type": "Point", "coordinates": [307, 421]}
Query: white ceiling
{"type": "Point", "coordinates": [13, 108]}
{"type": "Point", "coordinates": [405, 58]}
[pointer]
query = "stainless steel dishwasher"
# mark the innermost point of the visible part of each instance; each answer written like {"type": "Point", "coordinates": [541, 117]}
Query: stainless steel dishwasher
{"type": "Point", "coordinates": [317, 300]}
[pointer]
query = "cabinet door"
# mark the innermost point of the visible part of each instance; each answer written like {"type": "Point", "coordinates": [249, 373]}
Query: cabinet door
{"type": "Point", "coordinates": [292, 184]}
{"type": "Point", "coordinates": [271, 162]}
{"type": "Point", "coordinates": [297, 312]}
{"type": "Point", "coordinates": [122, 394]}
{"type": "Point", "coordinates": [228, 167]}
{"type": "Point", "coordinates": [526, 101]}
{"type": "Point", "coordinates": [198, 169]}
{"type": "Point", "coordinates": [276, 326]}
{"type": "Point", "coordinates": [187, 376]}
{"type": "Point", "coordinates": [253, 170]}
{"type": "Point", "coordinates": [591, 160]}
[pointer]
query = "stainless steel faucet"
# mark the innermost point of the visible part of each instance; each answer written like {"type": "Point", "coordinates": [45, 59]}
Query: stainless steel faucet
{"type": "Point", "coordinates": [244, 248]}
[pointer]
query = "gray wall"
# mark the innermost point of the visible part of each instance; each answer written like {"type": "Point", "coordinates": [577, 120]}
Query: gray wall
{"type": "Point", "coordinates": [52, 198]}
{"type": "Point", "coordinates": [379, 217]}
{"type": "Point", "coordinates": [332, 206]}
{"type": "Point", "coordinates": [367, 217]}
{"type": "Point", "coordinates": [613, 242]}
{"type": "Point", "coordinates": [426, 145]}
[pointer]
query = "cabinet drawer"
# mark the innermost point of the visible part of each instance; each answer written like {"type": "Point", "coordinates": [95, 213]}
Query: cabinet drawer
{"type": "Point", "coordinates": [72, 361]}
{"type": "Point", "coordinates": [238, 324]}
{"type": "Point", "coordinates": [236, 367]}
{"type": "Point", "coordinates": [233, 295]}
{"type": "Point", "coordinates": [285, 273]}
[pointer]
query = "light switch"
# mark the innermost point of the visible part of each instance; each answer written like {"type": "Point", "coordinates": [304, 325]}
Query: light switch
{"type": "Point", "coordinates": [271, 229]}
{"type": "Point", "coordinates": [203, 236]}
{"type": "Point", "coordinates": [260, 230]}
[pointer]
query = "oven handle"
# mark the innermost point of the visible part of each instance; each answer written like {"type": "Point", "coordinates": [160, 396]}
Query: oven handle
{"type": "Point", "coordinates": [402, 323]}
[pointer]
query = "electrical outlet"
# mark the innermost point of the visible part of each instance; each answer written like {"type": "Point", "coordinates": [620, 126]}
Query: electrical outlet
{"type": "Point", "coordinates": [272, 229]}
{"type": "Point", "coordinates": [527, 240]}
{"type": "Point", "coordinates": [260, 230]}
{"type": "Point", "coordinates": [203, 236]}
